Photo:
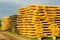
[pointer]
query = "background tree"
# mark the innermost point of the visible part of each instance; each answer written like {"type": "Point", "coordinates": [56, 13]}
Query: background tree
{"type": "Point", "coordinates": [0, 24]}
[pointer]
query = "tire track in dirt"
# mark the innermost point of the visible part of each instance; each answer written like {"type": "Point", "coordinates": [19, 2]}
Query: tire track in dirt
{"type": "Point", "coordinates": [2, 37]}
{"type": "Point", "coordinates": [12, 37]}
{"type": "Point", "coordinates": [9, 36]}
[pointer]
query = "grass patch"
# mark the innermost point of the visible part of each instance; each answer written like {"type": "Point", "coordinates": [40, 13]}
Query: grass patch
{"type": "Point", "coordinates": [47, 38]}
{"type": "Point", "coordinates": [34, 39]}
{"type": "Point", "coordinates": [57, 38]}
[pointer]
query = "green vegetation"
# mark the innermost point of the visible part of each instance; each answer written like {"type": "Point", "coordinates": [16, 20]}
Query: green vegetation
{"type": "Point", "coordinates": [43, 38]}
{"type": "Point", "coordinates": [58, 38]}
{"type": "Point", "coordinates": [34, 39]}
{"type": "Point", "coordinates": [50, 38]}
{"type": "Point", "coordinates": [0, 24]}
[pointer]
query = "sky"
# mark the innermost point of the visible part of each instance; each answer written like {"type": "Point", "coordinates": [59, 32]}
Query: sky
{"type": "Point", "coordinates": [10, 7]}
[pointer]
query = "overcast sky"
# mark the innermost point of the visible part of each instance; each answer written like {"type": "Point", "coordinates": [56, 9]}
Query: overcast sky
{"type": "Point", "coordinates": [9, 7]}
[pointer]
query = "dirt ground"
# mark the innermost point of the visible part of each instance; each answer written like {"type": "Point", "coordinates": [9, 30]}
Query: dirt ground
{"type": "Point", "coordinates": [7, 36]}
